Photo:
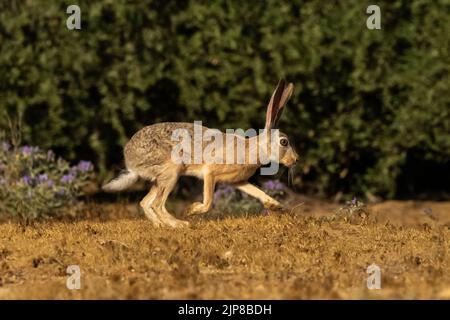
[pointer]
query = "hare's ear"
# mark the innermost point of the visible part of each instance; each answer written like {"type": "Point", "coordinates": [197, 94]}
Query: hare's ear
{"type": "Point", "coordinates": [287, 93]}
{"type": "Point", "coordinates": [272, 108]}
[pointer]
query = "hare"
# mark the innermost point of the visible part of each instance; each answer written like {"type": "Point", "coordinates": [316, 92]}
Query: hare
{"type": "Point", "coordinates": [148, 155]}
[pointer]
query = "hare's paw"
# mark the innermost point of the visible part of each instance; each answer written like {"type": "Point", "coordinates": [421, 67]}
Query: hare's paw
{"type": "Point", "coordinates": [151, 215]}
{"type": "Point", "coordinates": [170, 221]}
{"type": "Point", "coordinates": [273, 206]}
{"type": "Point", "coordinates": [175, 223]}
{"type": "Point", "coordinates": [196, 208]}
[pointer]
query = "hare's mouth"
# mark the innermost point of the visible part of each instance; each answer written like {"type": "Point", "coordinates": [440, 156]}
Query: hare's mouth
{"type": "Point", "coordinates": [291, 164]}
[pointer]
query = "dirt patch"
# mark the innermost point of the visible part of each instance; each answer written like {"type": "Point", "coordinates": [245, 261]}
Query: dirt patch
{"type": "Point", "coordinates": [308, 253]}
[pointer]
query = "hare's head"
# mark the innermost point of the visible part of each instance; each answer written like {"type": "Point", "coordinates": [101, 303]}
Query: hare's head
{"type": "Point", "coordinates": [284, 152]}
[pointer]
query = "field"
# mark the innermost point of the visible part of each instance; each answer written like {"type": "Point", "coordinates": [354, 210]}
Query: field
{"type": "Point", "coordinates": [310, 252]}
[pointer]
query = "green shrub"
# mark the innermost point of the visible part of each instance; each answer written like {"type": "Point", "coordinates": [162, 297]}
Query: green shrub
{"type": "Point", "coordinates": [34, 184]}
{"type": "Point", "coordinates": [367, 104]}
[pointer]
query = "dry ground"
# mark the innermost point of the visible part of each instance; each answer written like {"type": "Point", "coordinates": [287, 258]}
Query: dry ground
{"type": "Point", "coordinates": [296, 255]}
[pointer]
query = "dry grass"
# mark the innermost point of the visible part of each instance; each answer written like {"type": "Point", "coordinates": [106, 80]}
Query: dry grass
{"type": "Point", "coordinates": [290, 256]}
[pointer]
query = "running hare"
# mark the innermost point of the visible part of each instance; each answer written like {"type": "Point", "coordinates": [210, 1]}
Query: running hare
{"type": "Point", "coordinates": [149, 156]}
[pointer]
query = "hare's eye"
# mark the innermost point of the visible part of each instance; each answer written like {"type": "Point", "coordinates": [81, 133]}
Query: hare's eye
{"type": "Point", "coordinates": [284, 142]}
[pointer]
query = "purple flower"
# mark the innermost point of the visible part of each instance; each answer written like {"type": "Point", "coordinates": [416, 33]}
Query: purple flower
{"type": "Point", "coordinates": [84, 166]}
{"type": "Point", "coordinates": [6, 146]}
{"type": "Point", "coordinates": [274, 185]}
{"type": "Point", "coordinates": [42, 178]}
{"type": "Point", "coordinates": [354, 201]}
{"type": "Point", "coordinates": [228, 190]}
{"type": "Point", "coordinates": [223, 192]}
{"type": "Point", "coordinates": [67, 178]}
{"type": "Point", "coordinates": [27, 180]}
{"type": "Point", "coordinates": [73, 171]}
{"type": "Point", "coordinates": [27, 150]}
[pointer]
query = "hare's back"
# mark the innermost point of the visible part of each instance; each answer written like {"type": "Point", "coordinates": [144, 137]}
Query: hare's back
{"type": "Point", "coordinates": [152, 145]}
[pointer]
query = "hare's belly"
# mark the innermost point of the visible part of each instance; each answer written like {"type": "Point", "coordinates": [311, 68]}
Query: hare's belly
{"type": "Point", "coordinates": [231, 173]}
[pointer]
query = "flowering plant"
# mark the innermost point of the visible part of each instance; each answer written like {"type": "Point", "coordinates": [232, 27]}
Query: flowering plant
{"type": "Point", "coordinates": [228, 199]}
{"type": "Point", "coordinates": [275, 189]}
{"type": "Point", "coordinates": [34, 183]}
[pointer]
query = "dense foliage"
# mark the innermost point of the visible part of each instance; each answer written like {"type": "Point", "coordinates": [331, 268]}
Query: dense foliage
{"type": "Point", "coordinates": [370, 113]}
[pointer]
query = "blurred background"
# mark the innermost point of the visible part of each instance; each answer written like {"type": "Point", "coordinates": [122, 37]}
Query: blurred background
{"type": "Point", "coordinates": [370, 114]}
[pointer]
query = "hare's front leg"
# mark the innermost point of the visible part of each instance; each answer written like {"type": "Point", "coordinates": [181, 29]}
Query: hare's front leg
{"type": "Point", "coordinates": [268, 202]}
{"type": "Point", "coordinates": [208, 194]}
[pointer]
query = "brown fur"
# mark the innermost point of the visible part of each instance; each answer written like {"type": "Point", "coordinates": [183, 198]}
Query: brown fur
{"type": "Point", "coordinates": [148, 155]}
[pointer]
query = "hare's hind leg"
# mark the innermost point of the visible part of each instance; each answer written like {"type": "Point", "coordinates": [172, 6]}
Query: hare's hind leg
{"type": "Point", "coordinates": [146, 205]}
{"type": "Point", "coordinates": [164, 186]}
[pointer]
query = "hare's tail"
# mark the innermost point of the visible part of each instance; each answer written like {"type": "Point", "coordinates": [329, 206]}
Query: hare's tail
{"type": "Point", "coordinates": [122, 182]}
